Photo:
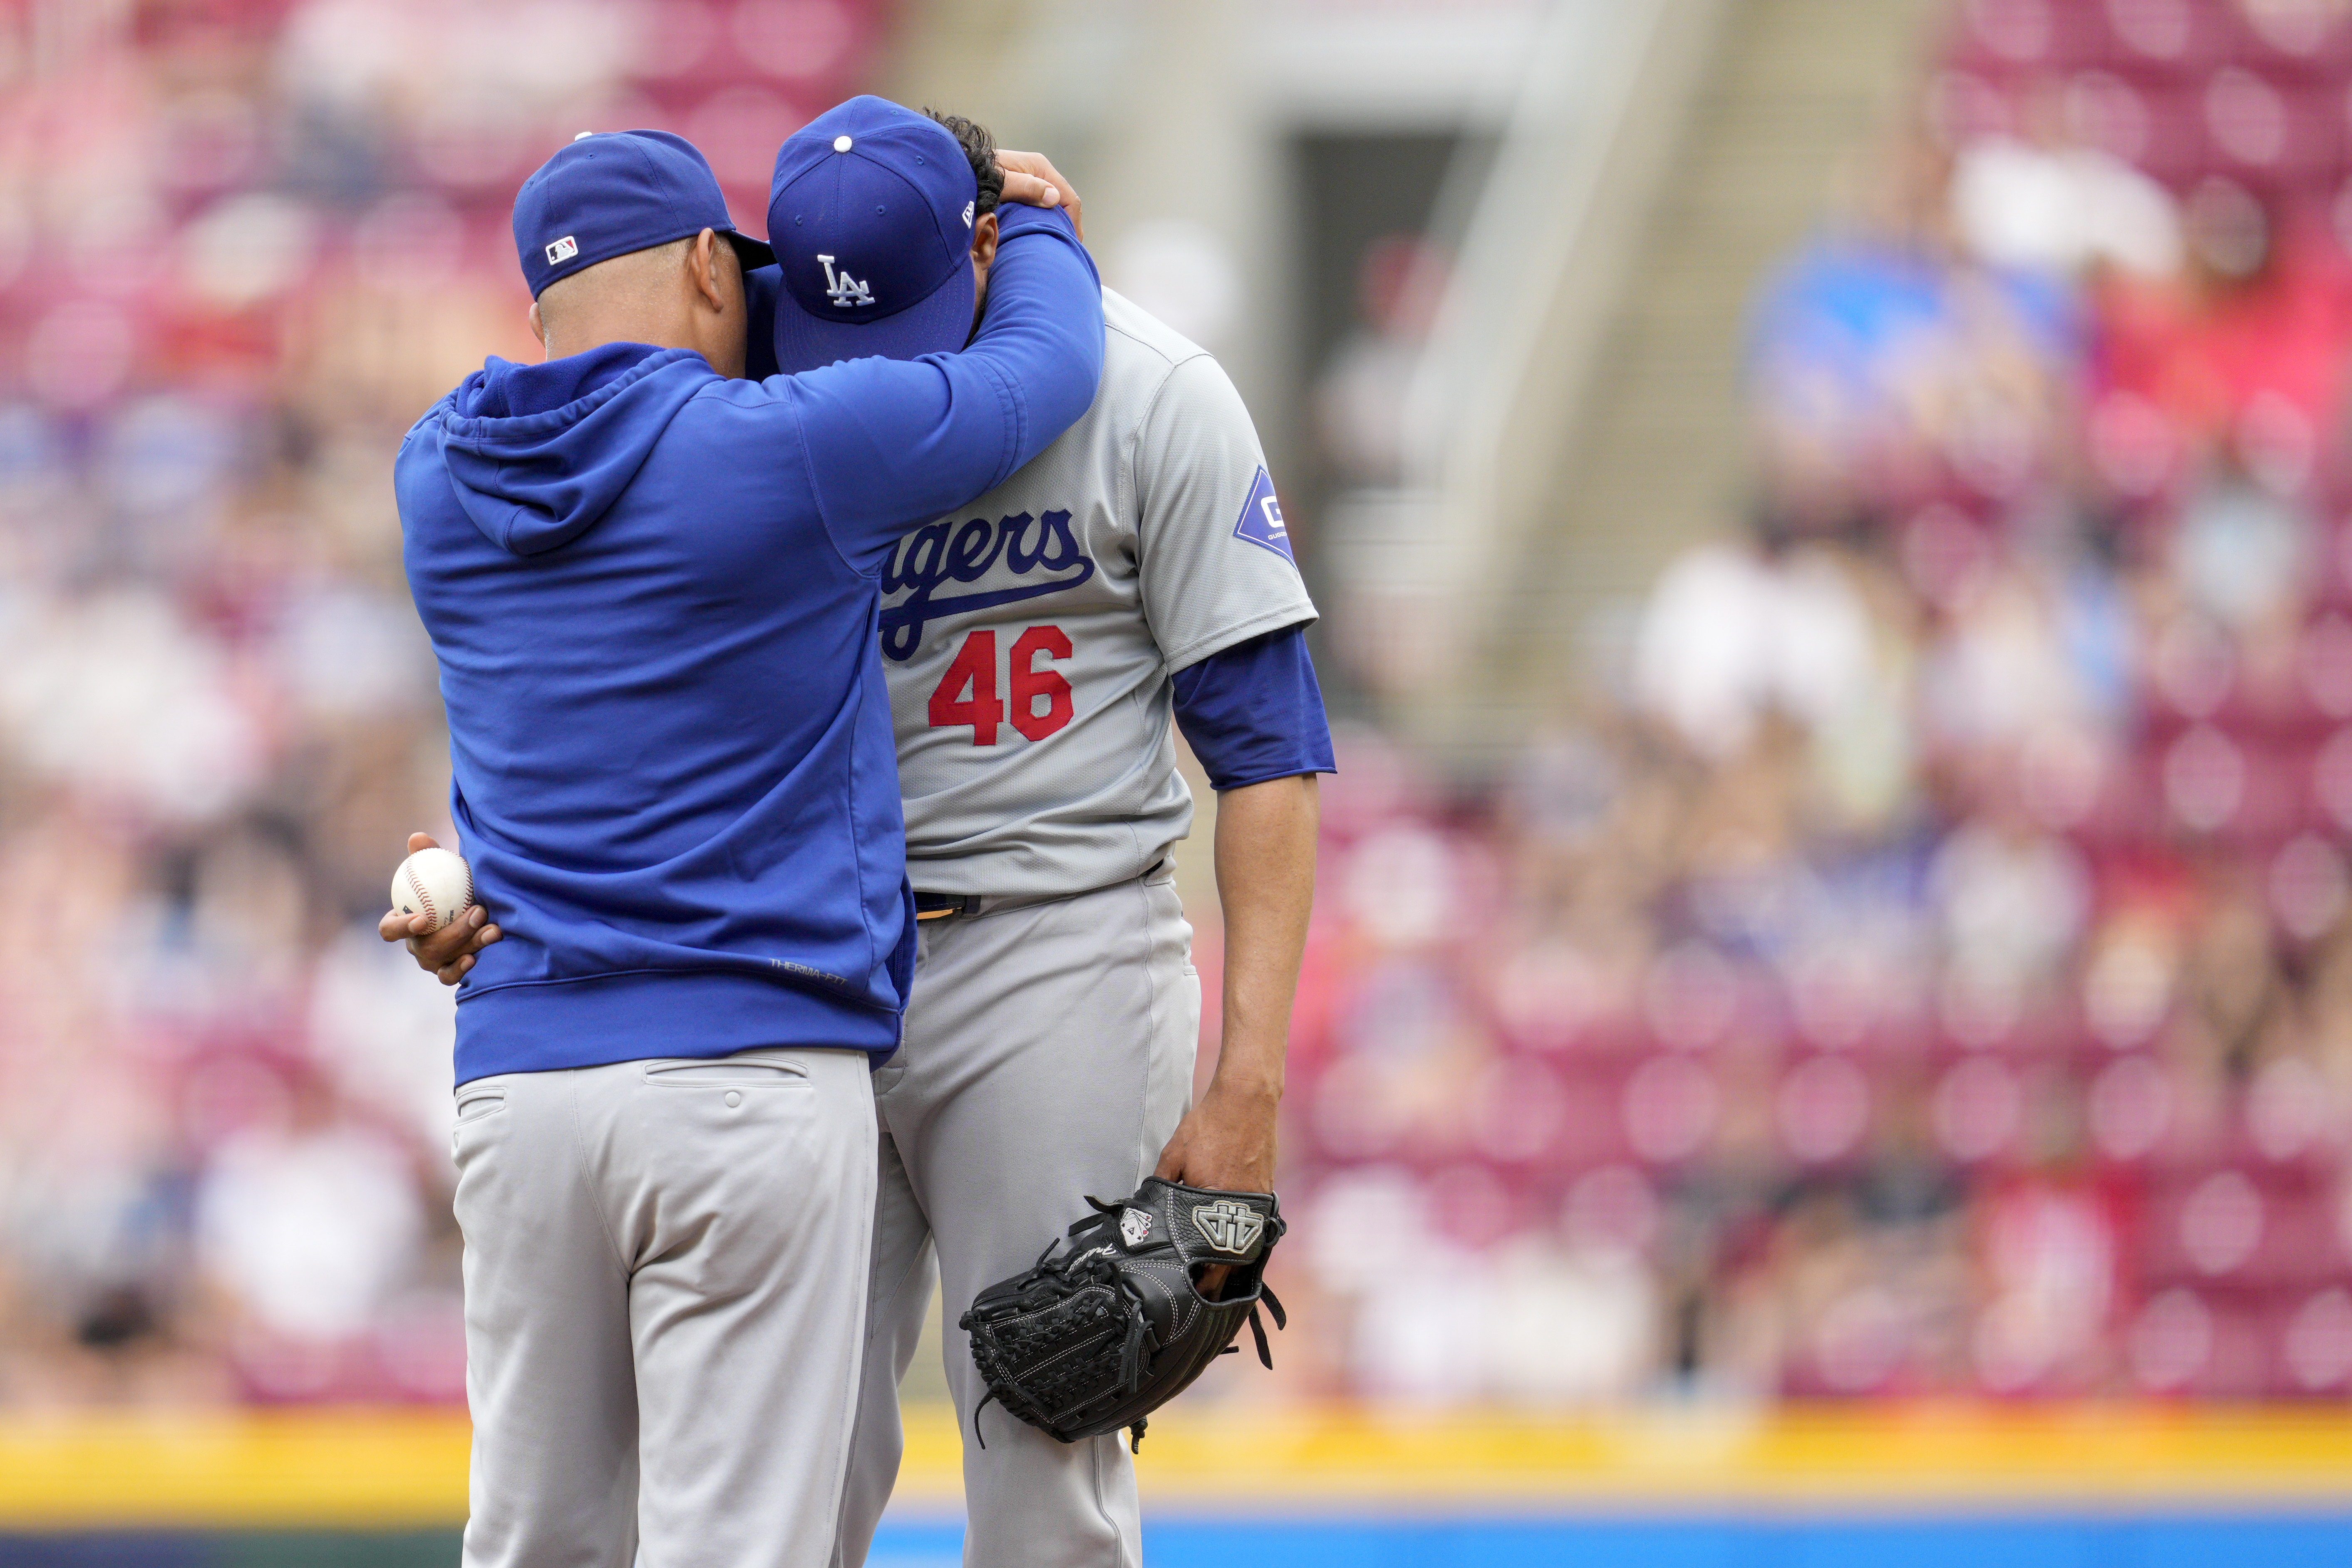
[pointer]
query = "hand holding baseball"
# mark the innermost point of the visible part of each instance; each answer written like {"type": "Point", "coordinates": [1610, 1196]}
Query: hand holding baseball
{"type": "Point", "coordinates": [443, 946]}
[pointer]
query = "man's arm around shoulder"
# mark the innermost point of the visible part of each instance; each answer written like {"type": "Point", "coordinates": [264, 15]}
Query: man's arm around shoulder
{"type": "Point", "coordinates": [893, 442]}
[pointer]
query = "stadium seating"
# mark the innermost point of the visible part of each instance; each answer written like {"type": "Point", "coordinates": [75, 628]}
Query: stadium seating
{"type": "Point", "coordinates": [2072, 1116]}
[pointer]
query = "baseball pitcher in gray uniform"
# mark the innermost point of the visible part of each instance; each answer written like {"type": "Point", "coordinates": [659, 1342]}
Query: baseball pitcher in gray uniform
{"type": "Point", "coordinates": [1036, 645]}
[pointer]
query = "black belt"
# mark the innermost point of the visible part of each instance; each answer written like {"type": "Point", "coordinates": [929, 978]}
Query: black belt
{"type": "Point", "coordinates": [946, 905]}
{"type": "Point", "coordinates": [943, 905]}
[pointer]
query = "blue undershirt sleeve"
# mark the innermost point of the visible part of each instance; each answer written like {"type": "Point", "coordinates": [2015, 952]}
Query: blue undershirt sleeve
{"type": "Point", "coordinates": [1254, 712]}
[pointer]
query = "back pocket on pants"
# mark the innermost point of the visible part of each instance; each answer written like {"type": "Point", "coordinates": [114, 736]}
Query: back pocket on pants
{"type": "Point", "coordinates": [726, 1072]}
{"type": "Point", "coordinates": [475, 1101]}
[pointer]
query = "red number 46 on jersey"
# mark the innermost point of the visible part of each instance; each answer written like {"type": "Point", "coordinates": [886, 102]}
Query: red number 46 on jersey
{"type": "Point", "coordinates": [967, 692]}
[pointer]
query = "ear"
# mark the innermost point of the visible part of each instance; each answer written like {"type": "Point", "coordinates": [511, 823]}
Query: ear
{"type": "Point", "coordinates": [983, 242]}
{"type": "Point", "coordinates": [538, 327]}
{"type": "Point", "coordinates": [703, 265]}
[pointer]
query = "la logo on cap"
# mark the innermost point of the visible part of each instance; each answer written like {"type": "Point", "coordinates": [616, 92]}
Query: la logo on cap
{"type": "Point", "coordinates": [842, 288]}
{"type": "Point", "coordinates": [562, 250]}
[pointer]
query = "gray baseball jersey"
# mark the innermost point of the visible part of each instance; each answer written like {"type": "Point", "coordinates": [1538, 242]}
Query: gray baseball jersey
{"type": "Point", "coordinates": [1030, 639]}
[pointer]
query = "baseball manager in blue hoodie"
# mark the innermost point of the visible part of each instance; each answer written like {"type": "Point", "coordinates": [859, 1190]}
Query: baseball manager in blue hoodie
{"type": "Point", "coordinates": [653, 591]}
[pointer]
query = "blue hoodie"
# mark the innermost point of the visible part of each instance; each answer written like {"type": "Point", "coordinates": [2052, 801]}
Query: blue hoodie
{"type": "Point", "coordinates": [654, 596]}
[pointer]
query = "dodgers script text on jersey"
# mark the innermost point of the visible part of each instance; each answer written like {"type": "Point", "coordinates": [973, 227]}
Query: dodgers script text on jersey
{"type": "Point", "coordinates": [946, 553]}
{"type": "Point", "coordinates": [1029, 640]}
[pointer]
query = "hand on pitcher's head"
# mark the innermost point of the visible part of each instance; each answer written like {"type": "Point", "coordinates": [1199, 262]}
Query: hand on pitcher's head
{"type": "Point", "coordinates": [447, 953]}
{"type": "Point", "coordinates": [1031, 177]}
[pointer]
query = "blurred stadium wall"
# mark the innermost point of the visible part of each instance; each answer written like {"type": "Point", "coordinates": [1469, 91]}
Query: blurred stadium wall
{"type": "Point", "coordinates": [1828, 1030]}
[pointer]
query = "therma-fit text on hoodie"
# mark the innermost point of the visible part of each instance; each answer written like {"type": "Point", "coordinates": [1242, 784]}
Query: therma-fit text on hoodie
{"type": "Point", "coordinates": [1030, 636]}
{"type": "Point", "coordinates": [654, 605]}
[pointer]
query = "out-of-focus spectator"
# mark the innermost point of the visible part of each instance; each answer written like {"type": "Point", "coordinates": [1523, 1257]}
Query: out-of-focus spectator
{"type": "Point", "coordinates": [1363, 395]}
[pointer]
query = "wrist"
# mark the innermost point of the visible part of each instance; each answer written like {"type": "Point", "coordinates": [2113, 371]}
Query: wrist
{"type": "Point", "coordinates": [1251, 1084]}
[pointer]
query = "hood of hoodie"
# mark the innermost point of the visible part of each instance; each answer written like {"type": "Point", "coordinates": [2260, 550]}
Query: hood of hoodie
{"type": "Point", "coordinates": [535, 480]}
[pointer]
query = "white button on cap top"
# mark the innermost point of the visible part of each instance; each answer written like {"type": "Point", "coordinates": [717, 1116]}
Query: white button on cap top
{"type": "Point", "coordinates": [583, 136]}
{"type": "Point", "coordinates": [841, 144]}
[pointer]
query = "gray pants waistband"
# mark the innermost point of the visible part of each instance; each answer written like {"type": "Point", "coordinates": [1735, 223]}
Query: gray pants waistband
{"type": "Point", "coordinates": [929, 907]}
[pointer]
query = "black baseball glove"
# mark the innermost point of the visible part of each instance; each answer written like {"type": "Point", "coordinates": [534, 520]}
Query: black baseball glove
{"type": "Point", "coordinates": [1111, 1323]}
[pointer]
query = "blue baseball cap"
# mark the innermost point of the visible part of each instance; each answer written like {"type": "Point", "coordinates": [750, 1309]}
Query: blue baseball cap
{"type": "Point", "coordinates": [871, 215]}
{"type": "Point", "coordinates": [607, 195]}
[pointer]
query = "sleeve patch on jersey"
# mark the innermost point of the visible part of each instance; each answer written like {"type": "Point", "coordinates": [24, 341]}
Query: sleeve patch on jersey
{"type": "Point", "coordinates": [1261, 520]}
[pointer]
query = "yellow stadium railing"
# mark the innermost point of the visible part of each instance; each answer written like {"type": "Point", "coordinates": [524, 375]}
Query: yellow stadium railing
{"type": "Point", "coordinates": [392, 1469]}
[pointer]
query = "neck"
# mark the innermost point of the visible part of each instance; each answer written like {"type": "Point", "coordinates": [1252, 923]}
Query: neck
{"type": "Point", "coordinates": [572, 338]}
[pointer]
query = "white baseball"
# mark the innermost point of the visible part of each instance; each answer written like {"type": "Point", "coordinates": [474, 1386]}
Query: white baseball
{"type": "Point", "coordinates": [433, 882]}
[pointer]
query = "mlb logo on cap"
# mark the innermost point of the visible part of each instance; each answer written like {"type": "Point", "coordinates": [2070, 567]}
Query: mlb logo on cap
{"type": "Point", "coordinates": [871, 216]}
{"type": "Point", "coordinates": [562, 250]}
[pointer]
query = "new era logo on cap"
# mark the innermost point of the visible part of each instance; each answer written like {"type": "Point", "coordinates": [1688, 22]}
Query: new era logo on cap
{"type": "Point", "coordinates": [562, 250]}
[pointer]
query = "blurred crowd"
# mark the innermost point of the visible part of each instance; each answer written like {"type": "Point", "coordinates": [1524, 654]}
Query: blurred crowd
{"type": "Point", "coordinates": [243, 245]}
{"type": "Point", "coordinates": [1922, 966]}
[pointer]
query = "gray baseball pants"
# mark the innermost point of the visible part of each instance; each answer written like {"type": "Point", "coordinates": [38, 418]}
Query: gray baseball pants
{"type": "Point", "coordinates": [1048, 1055]}
{"type": "Point", "coordinates": [666, 1267]}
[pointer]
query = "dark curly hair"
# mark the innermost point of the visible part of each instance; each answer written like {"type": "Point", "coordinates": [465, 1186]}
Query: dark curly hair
{"type": "Point", "coordinates": [980, 147]}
